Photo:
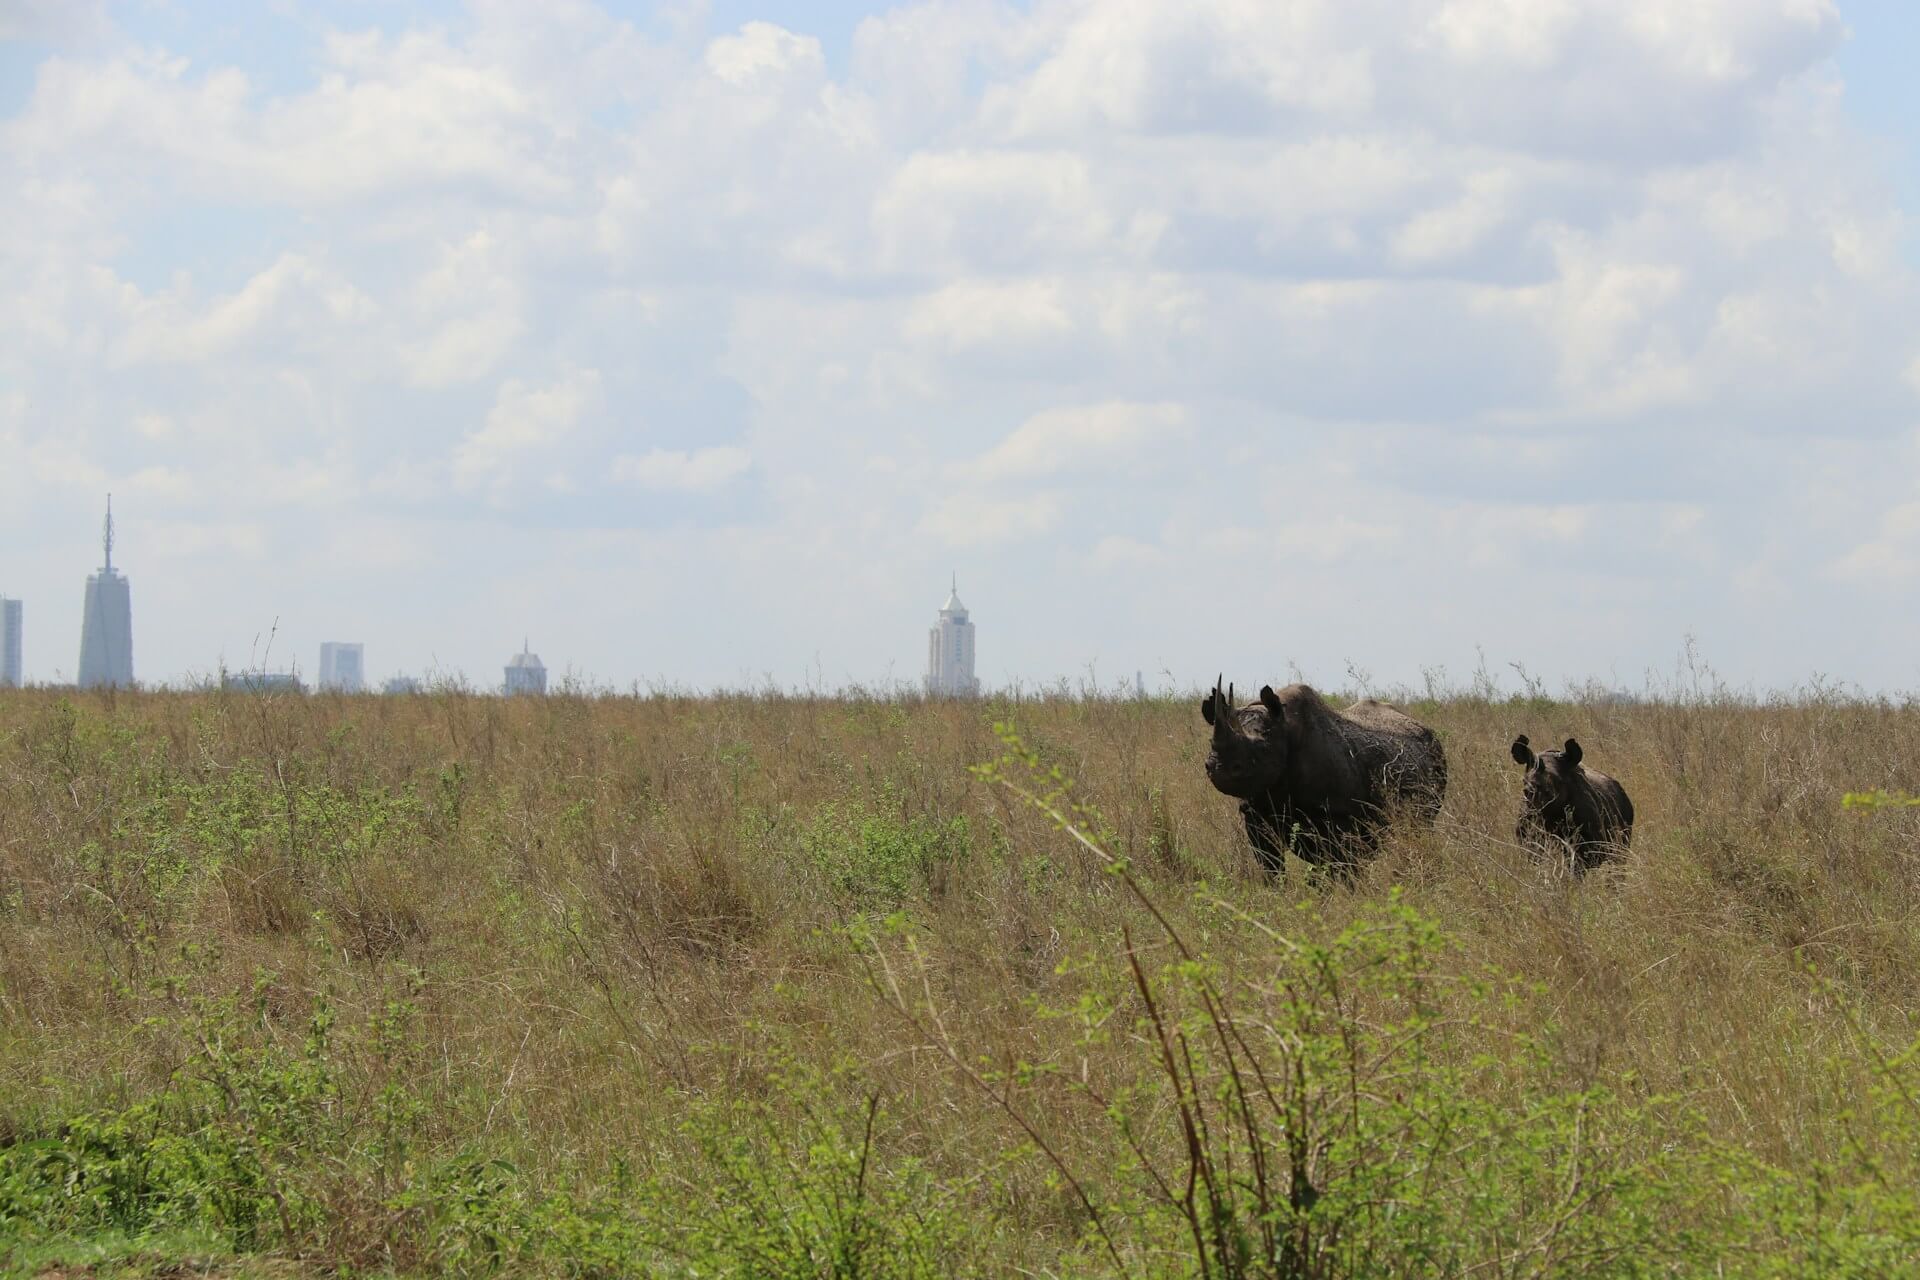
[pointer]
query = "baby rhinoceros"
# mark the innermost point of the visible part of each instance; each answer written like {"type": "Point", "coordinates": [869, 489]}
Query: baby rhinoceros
{"type": "Point", "coordinates": [1564, 803]}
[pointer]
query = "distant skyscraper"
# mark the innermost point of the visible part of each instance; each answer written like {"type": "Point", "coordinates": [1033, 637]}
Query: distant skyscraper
{"type": "Point", "coordinates": [343, 667]}
{"type": "Point", "coordinates": [526, 673]}
{"type": "Point", "coordinates": [10, 610]}
{"type": "Point", "coordinates": [950, 651]}
{"type": "Point", "coordinates": [106, 627]}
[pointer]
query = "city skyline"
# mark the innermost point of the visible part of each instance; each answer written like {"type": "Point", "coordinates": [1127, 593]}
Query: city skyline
{"type": "Point", "coordinates": [107, 653]}
{"type": "Point", "coordinates": [949, 672]}
{"type": "Point", "coordinates": [1408, 337]}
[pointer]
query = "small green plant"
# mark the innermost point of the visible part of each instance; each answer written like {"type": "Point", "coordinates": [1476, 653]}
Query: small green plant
{"type": "Point", "coordinates": [873, 857]}
{"type": "Point", "coordinates": [226, 1148]}
{"type": "Point", "coordinates": [807, 1201]}
{"type": "Point", "coordinates": [1879, 798]}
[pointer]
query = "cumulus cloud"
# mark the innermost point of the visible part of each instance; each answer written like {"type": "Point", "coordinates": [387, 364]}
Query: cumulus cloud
{"type": "Point", "coordinates": [293, 298]}
{"type": "Point", "coordinates": [64, 20]}
{"type": "Point", "coordinates": [985, 520]}
{"type": "Point", "coordinates": [763, 53]}
{"type": "Point", "coordinates": [521, 428]}
{"type": "Point", "coordinates": [1356, 312]}
{"type": "Point", "coordinates": [695, 471]}
{"type": "Point", "coordinates": [1892, 557]}
{"type": "Point", "coordinates": [1080, 438]}
{"type": "Point", "coordinates": [978, 313]}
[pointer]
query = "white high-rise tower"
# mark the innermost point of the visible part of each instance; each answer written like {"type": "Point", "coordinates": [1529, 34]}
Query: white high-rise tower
{"type": "Point", "coordinates": [106, 627]}
{"type": "Point", "coordinates": [950, 651]}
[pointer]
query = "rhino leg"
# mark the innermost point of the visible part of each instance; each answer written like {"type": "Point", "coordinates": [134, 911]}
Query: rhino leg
{"type": "Point", "coordinates": [1336, 844]}
{"type": "Point", "coordinates": [1267, 833]}
{"type": "Point", "coordinates": [1595, 853]}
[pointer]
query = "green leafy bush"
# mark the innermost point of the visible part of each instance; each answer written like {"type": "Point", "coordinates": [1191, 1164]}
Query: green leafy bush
{"type": "Point", "coordinates": [873, 856]}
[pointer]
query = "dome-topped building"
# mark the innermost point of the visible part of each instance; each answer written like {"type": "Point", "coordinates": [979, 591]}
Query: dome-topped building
{"type": "Point", "coordinates": [526, 673]}
{"type": "Point", "coordinates": [950, 651]}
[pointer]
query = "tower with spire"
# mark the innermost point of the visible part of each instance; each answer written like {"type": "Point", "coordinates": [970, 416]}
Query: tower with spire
{"type": "Point", "coordinates": [106, 624]}
{"type": "Point", "coordinates": [526, 673]}
{"type": "Point", "coordinates": [950, 650]}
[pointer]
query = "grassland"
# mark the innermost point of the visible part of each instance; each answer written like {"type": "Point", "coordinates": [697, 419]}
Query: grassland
{"type": "Point", "coordinates": [787, 987]}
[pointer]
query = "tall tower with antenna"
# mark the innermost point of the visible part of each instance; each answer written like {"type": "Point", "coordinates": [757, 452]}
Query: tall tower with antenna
{"type": "Point", "coordinates": [950, 650]}
{"type": "Point", "coordinates": [106, 626]}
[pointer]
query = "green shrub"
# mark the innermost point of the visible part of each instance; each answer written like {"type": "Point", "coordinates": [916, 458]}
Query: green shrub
{"type": "Point", "coordinates": [874, 857]}
{"type": "Point", "coordinates": [260, 1147]}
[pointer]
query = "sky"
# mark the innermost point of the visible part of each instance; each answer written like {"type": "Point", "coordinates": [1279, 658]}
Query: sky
{"type": "Point", "coordinates": [1365, 342]}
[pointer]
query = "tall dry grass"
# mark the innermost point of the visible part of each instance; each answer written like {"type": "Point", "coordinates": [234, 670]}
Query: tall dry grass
{"type": "Point", "coordinates": [604, 917]}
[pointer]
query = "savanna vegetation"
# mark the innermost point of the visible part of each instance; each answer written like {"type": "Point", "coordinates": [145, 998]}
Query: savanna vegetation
{"type": "Point", "coordinates": [791, 987]}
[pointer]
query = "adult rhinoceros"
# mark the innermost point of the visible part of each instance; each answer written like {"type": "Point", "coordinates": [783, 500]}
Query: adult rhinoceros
{"type": "Point", "coordinates": [1319, 781]}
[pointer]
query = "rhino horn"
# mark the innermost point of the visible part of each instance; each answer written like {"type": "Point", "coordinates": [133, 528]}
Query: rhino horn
{"type": "Point", "coordinates": [1224, 729]}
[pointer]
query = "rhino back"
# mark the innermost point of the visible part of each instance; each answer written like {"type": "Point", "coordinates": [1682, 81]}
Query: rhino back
{"type": "Point", "coordinates": [1605, 806]}
{"type": "Point", "coordinates": [1369, 756]}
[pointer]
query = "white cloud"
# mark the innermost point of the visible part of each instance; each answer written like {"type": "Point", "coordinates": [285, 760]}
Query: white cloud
{"type": "Point", "coordinates": [155, 426]}
{"type": "Point", "coordinates": [984, 520]}
{"type": "Point", "coordinates": [66, 21]}
{"type": "Point", "coordinates": [295, 299]}
{"type": "Point", "coordinates": [1892, 556]}
{"type": "Point", "coordinates": [1452, 229]}
{"type": "Point", "coordinates": [1339, 537]}
{"type": "Point", "coordinates": [470, 302]}
{"type": "Point", "coordinates": [698, 471]}
{"type": "Point", "coordinates": [1119, 553]}
{"type": "Point", "coordinates": [977, 313]}
{"type": "Point", "coordinates": [1441, 296]}
{"type": "Point", "coordinates": [942, 210]}
{"type": "Point", "coordinates": [524, 423]}
{"type": "Point", "coordinates": [1081, 437]}
{"type": "Point", "coordinates": [762, 53]}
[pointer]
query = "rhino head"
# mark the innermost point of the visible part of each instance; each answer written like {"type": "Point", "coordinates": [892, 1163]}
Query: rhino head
{"type": "Point", "coordinates": [1248, 755]}
{"type": "Point", "coordinates": [1552, 778]}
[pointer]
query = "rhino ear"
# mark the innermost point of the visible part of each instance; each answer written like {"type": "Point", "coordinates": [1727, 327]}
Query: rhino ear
{"type": "Point", "coordinates": [1571, 751]}
{"type": "Point", "coordinates": [1206, 708]}
{"type": "Point", "coordinates": [1271, 701]}
{"type": "Point", "coordinates": [1522, 753]}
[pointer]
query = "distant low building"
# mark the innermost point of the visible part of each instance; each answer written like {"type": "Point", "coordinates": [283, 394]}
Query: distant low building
{"type": "Point", "coordinates": [401, 684]}
{"type": "Point", "coordinates": [526, 674]}
{"type": "Point", "coordinates": [343, 667]}
{"type": "Point", "coordinates": [261, 682]}
{"type": "Point", "coordinates": [10, 635]}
